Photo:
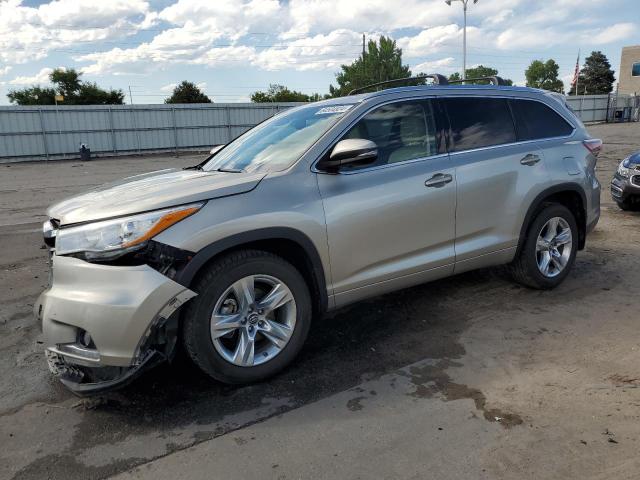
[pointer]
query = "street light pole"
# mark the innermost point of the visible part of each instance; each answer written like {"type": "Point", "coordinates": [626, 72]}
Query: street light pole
{"type": "Point", "coordinates": [464, 34]}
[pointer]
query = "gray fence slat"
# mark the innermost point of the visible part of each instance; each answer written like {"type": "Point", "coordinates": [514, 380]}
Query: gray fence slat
{"type": "Point", "coordinates": [123, 129]}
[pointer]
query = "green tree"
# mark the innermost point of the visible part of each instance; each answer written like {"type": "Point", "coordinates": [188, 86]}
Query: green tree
{"type": "Point", "coordinates": [544, 75]}
{"type": "Point", "coordinates": [596, 77]}
{"type": "Point", "coordinates": [477, 72]}
{"type": "Point", "coordinates": [68, 84]}
{"type": "Point", "coordinates": [382, 61]}
{"type": "Point", "coordinates": [187, 92]}
{"type": "Point", "coordinates": [35, 95]}
{"type": "Point", "coordinates": [280, 93]}
{"type": "Point", "coordinates": [90, 94]}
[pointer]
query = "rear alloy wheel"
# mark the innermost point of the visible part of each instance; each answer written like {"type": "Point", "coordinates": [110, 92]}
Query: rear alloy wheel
{"type": "Point", "coordinates": [549, 249]}
{"type": "Point", "coordinates": [250, 318]}
{"type": "Point", "coordinates": [553, 247]}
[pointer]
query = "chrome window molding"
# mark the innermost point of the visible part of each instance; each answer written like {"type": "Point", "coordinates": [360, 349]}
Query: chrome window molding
{"type": "Point", "coordinates": [411, 98]}
{"type": "Point", "coordinates": [314, 169]}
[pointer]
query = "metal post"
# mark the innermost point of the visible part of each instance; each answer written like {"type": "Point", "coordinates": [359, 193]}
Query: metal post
{"type": "Point", "coordinates": [464, 43]}
{"type": "Point", "coordinates": [113, 132]}
{"type": "Point", "coordinates": [64, 154]}
{"type": "Point", "coordinates": [175, 130]}
{"type": "Point", "coordinates": [44, 135]}
{"type": "Point", "coordinates": [135, 127]}
{"type": "Point", "coordinates": [228, 116]}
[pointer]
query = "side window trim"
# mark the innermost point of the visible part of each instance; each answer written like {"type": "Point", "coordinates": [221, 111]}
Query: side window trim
{"type": "Point", "coordinates": [517, 142]}
{"type": "Point", "coordinates": [480, 97]}
{"type": "Point", "coordinates": [440, 121]}
{"type": "Point", "coordinates": [525, 128]}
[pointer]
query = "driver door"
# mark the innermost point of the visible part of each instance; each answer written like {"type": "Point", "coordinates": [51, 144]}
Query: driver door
{"type": "Point", "coordinates": [391, 224]}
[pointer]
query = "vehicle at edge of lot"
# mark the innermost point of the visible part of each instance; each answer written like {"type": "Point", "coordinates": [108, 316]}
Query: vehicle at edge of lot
{"type": "Point", "coordinates": [318, 207]}
{"type": "Point", "coordinates": [625, 184]}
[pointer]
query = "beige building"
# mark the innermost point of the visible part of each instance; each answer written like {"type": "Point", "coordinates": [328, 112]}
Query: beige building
{"type": "Point", "coordinates": [629, 74]}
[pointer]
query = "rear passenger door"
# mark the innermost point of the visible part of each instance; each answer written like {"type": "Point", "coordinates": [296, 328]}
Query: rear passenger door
{"type": "Point", "coordinates": [497, 176]}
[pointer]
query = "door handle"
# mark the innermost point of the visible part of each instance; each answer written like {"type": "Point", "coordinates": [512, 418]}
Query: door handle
{"type": "Point", "coordinates": [438, 180]}
{"type": "Point", "coordinates": [530, 160]}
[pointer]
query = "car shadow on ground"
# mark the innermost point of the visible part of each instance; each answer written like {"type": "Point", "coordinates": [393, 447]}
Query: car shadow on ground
{"type": "Point", "coordinates": [355, 343]}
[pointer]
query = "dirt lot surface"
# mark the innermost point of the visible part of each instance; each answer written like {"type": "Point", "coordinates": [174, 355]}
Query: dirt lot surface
{"type": "Point", "coordinates": [469, 377]}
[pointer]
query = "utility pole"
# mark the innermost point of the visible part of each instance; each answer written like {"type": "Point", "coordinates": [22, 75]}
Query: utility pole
{"type": "Point", "coordinates": [130, 95]}
{"type": "Point", "coordinates": [464, 34]}
{"type": "Point", "coordinates": [364, 66]}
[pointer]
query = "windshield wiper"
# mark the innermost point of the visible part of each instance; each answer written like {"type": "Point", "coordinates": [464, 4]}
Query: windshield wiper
{"type": "Point", "coordinates": [228, 170]}
{"type": "Point", "coordinates": [194, 167]}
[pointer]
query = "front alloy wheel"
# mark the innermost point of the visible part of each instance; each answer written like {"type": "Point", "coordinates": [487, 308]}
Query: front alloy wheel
{"type": "Point", "coordinates": [253, 320]}
{"type": "Point", "coordinates": [250, 318]}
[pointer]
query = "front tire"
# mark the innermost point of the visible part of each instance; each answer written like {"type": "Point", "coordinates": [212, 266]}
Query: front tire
{"type": "Point", "coordinates": [250, 318]}
{"type": "Point", "coordinates": [549, 250]}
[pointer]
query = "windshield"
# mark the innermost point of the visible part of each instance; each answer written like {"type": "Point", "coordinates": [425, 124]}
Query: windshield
{"type": "Point", "coordinates": [276, 144]}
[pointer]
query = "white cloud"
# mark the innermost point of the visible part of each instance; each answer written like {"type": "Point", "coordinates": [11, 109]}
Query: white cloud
{"type": "Point", "coordinates": [31, 33]}
{"type": "Point", "coordinates": [317, 52]}
{"type": "Point", "coordinates": [444, 66]}
{"type": "Point", "coordinates": [5, 70]}
{"type": "Point", "coordinates": [41, 77]}
{"type": "Point", "coordinates": [428, 41]}
{"type": "Point", "coordinates": [616, 32]}
{"type": "Point", "coordinates": [222, 18]}
{"type": "Point", "coordinates": [169, 87]}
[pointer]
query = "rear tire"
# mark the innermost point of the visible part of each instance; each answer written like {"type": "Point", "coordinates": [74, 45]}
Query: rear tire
{"type": "Point", "coordinates": [238, 337]}
{"type": "Point", "coordinates": [549, 250]}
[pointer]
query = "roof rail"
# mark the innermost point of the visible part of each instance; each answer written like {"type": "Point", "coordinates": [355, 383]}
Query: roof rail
{"type": "Point", "coordinates": [436, 77]}
{"type": "Point", "coordinates": [494, 80]}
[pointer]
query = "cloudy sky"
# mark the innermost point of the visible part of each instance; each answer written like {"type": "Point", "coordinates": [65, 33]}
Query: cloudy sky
{"type": "Point", "coordinates": [234, 47]}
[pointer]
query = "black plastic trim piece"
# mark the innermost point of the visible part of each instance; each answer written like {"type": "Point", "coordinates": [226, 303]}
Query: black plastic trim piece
{"type": "Point", "coordinates": [495, 80]}
{"type": "Point", "coordinates": [539, 200]}
{"type": "Point", "coordinates": [187, 274]}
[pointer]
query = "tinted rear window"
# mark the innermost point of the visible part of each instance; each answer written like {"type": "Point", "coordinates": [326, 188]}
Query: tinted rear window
{"type": "Point", "coordinates": [479, 122]}
{"type": "Point", "coordinates": [534, 120]}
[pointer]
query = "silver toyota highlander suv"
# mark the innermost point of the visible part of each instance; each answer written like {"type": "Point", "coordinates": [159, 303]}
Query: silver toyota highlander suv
{"type": "Point", "coordinates": [318, 207]}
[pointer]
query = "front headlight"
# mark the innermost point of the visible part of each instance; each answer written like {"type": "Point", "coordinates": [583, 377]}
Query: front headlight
{"type": "Point", "coordinates": [623, 168]}
{"type": "Point", "coordinates": [114, 237]}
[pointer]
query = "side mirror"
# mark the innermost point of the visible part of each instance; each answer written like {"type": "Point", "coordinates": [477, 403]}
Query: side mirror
{"type": "Point", "coordinates": [353, 151]}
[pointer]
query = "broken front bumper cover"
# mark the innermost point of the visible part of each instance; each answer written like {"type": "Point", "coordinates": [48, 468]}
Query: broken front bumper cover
{"type": "Point", "coordinates": [101, 323]}
{"type": "Point", "coordinates": [82, 381]}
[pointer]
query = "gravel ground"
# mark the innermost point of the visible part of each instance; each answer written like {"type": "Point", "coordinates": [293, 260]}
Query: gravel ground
{"type": "Point", "coordinates": [469, 377]}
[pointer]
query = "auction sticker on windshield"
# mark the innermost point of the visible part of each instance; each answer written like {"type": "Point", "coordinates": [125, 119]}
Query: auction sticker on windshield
{"type": "Point", "coordinates": [334, 109]}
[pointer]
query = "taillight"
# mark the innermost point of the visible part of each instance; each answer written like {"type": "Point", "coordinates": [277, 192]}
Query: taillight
{"type": "Point", "coordinates": [594, 145]}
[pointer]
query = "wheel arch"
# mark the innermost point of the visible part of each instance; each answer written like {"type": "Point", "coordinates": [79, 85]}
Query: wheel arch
{"type": "Point", "coordinates": [288, 243]}
{"type": "Point", "coordinates": [570, 195]}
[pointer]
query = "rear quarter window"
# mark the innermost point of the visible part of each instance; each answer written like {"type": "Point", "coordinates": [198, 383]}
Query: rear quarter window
{"type": "Point", "coordinates": [479, 122]}
{"type": "Point", "coordinates": [535, 121]}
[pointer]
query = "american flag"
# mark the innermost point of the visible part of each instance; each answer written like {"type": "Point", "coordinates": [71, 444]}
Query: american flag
{"type": "Point", "coordinates": [576, 74]}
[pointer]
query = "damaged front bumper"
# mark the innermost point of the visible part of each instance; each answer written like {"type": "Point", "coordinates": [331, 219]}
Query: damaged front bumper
{"type": "Point", "coordinates": [105, 324]}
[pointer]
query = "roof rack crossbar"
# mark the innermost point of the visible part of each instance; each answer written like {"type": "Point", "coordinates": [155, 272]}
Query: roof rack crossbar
{"type": "Point", "coordinates": [436, 77]}
{"type": "Point", "coordinates": [493, 79]}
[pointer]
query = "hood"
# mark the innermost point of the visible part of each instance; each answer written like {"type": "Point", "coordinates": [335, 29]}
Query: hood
{"type": "Point", "coordinates": [151, 191]}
